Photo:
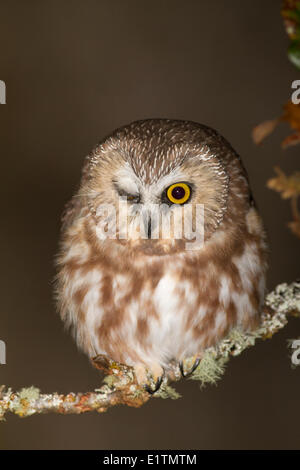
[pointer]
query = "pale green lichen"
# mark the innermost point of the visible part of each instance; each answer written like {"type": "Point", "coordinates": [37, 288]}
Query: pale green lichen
{"type": "Point", "coordinates": [166, 391]}
{"type": "Point", "coordinates": [212, 364]}
{"type": "Point", "coordinates": [137, 392]}
{"type": "Point", "coordinates": [210, 369]}
{"type": "Point", "coordinates": [110, 381]}
{"type": "Point", "coordinates": [21, 403]}
{"type": "Point", "coordinates": [30, 393]}
{"type": "Point", "coordinates": [242, 340]}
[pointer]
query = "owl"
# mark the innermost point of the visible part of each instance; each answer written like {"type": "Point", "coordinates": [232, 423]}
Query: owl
{"type": "Point", "coordinates": [162, 250]}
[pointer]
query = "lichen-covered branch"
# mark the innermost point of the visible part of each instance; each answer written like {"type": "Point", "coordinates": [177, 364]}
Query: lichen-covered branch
{"type": "Point", "coordinates": [120, 386]}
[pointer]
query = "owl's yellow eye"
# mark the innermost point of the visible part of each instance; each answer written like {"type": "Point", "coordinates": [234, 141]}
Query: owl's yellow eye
{"type": "Point", "coordinates": [178, 193]}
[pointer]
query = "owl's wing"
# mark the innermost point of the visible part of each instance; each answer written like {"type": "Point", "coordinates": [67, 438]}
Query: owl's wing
{"type": "Point", "coordinates": [68, 213]}
{"type": "Point", "coordinates": [73, 206]}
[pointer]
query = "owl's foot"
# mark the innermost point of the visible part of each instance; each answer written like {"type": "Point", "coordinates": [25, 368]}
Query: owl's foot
{"type": "Point", "coordinates": [187, 371]}
{"type": "Point", "coordinates": [150, 378]}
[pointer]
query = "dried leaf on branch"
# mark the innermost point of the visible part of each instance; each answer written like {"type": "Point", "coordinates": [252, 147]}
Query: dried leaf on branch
{"type": "Point", "coordinates": [291, 115]}
{"type": "Point", "coordinates": [289, 188]}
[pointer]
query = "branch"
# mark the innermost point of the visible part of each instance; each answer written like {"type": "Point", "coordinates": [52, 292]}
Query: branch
{"type": "Point", "coordinates": [120, 385]}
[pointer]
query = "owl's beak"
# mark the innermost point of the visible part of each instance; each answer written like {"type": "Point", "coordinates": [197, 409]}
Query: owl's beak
{"type": "Point", "coordinates": [149, 228]}
{"type": "Point", "coordinates": [147, 223]}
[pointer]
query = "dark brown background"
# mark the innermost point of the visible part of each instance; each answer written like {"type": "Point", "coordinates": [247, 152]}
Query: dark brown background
{"type": "Point", "coordinates": [74, 71]}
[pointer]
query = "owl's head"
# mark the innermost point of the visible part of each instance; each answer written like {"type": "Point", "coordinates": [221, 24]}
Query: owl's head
{"type": "Point", "coordinates": [158, 185]}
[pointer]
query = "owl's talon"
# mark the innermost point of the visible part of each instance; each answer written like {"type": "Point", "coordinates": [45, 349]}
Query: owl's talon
{"type": "Point", "coordinates": [157, 386]}
{"type": "Point", "coordinates": [146, 376]}
{"type": "Point", "coordinates": [191, 371]}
